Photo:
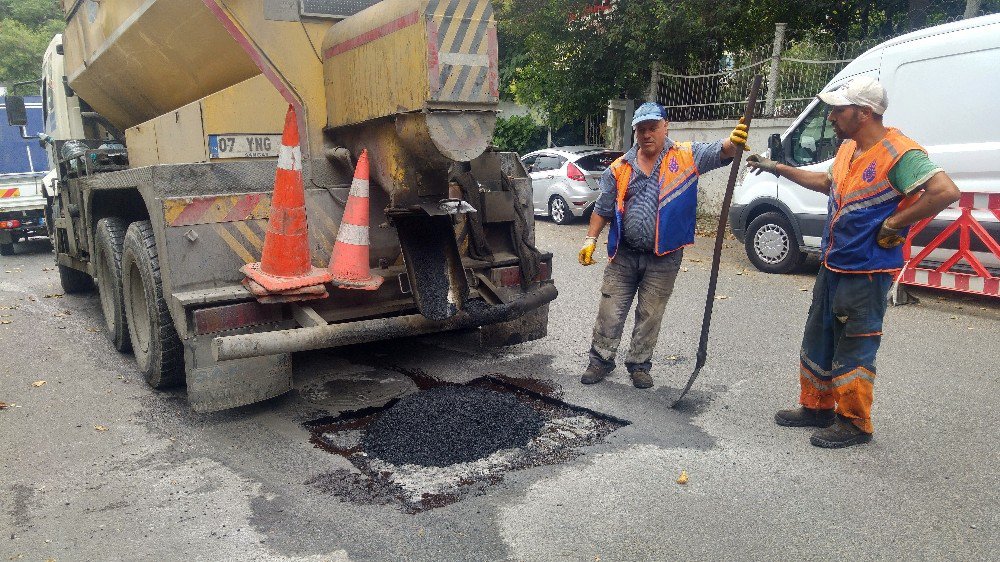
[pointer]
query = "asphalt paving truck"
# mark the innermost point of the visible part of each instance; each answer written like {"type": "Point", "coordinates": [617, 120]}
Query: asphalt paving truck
{"type": "Point", "coordinates": [164, 119]}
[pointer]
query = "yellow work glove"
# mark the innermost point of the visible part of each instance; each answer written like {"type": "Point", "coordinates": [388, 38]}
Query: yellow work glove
{"type": "Point", "coordinates": [739, 135]}
{"type": "Point", "coordinates": [587, 251]}
{"type": "Point", "coordinates": [889, 237]}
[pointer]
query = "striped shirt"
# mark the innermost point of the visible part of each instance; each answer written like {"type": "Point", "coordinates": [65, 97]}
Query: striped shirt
{"type": "Point", "coordinates": [642, 195]}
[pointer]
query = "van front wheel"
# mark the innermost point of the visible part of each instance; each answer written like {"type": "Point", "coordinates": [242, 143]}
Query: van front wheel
{"type": "Point", "coordinates": [771, 245]}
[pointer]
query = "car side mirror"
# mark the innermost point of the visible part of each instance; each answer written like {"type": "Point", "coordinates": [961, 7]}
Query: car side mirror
{"type": "Point", "coordinates": [775, 148]}
{"type": "Point", "coordinates": [17, 115]}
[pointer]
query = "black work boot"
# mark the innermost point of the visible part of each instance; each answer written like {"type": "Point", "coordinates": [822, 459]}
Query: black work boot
{"type": "Point", "coordinates": [594, 374]}
{"type": "Point", "coordinates": [641, 378]}
{"type": "Point", "coordinates": [805, 417]}
{"type": "Point", "coordinates": [842, 433]}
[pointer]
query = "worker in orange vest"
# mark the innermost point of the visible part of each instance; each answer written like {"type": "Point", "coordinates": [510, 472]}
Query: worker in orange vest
{"type": "Point", "coordinates": [881, 182]}
{"type": "Point", "coordinates": [650, 198]}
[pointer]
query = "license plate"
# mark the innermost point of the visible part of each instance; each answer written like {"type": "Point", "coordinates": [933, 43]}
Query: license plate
{"type": "Point", "coordinates": [243, 146]}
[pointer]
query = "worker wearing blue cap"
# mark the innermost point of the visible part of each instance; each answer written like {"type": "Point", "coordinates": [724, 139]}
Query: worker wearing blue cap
{"type": "Point", "coordinates": [649, 196]}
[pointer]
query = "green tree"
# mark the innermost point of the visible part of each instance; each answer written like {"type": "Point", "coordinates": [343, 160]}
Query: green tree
{"type": "Point", "coordinates": [26, 27]}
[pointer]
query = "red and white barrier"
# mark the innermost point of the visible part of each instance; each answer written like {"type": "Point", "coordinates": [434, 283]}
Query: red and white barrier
{"type": "Point", "coordinates": [982, 282]}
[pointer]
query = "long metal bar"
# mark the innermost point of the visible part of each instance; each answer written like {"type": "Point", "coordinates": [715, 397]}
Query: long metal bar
{"type": "Point", "coordinates": [227, 348]}
{"type": "Point", "coordinates": [717, 256]}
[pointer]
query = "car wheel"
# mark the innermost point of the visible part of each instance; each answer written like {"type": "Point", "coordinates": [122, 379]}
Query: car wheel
{"type": "Point", "coordinates": [110, 239]}
{"type": "Point", "coordinates": [6, 249]}
{"type": "Point", "coordinates": [158, 351]}
{"type": "Point", "coordinates": [771, 245]}
{"type": "Point", "coordinates": [559, 210]}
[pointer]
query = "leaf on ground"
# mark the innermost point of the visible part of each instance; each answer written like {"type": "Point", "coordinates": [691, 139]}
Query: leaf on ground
{"type": "Point", "coordinates": [804, 289]}
{"type": "Point", "coordinates": [721, 297]}
{"type": "Point", "coordinates": [6, 322]}
{"type": "Point", "coordinates": [4, 405]}
{"type": "Point", "coordinates": [683, 478]}
{"type": "Point", "coordinates": [100, 428]}
{"type": "Point", "coordinates": [685, 270]}
{"type": "Point", "coordinates": [37, 384]}
{"type": "Point", "coordinates": [54, 296]}
{"type": "Point", "coordinates": [92, 329]}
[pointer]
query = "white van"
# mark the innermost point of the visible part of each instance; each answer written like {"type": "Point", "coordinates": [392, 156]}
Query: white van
{"type": "Point", "coordinates": [944, 92]}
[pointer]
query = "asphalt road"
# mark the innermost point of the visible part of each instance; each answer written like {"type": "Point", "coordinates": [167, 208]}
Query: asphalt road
{"type": "Point", "coordinates": [94, 465]}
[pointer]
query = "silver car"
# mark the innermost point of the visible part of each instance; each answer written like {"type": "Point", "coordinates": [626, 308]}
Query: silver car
{"type": "Point", "coordinates": [565, 179]}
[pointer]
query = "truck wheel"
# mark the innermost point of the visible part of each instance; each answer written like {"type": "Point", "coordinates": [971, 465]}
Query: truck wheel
{"type": "Point", "coordinates": [109, 239]}
{"type": "Point", "coordinates": [559, 211]}
{"type": "Point", "coordinates": [6, 249]}
{"type": "Point", "coordinates": [771, 245]}
{"type": "Point", "coordinates": [74, 281]}
{"type": "Point", "coordinates": [158, 351]}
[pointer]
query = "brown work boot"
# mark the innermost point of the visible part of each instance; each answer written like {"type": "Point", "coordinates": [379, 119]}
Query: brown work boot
{"type": "Point", "coordinates": [641, 379]}
{"type": "Point", "coordinates": [842, 433]}
{"type": "Point", "coordinates": [805, 417]}
{"type": "Point", "coordinates": [594, 374]}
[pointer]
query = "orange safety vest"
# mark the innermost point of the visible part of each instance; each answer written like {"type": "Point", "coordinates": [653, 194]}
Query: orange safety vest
{"type": "Point", "coordinates": [861, 198]}
{"type": "Point", "coordinates": [678, 200]}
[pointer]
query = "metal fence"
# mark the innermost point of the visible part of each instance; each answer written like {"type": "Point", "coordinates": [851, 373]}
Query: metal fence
{"type": "Point", "coordinates": [795, 72]}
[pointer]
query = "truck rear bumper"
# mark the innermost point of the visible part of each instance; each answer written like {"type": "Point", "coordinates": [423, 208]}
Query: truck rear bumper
{"type": "Point", "coordinates": [477, 313]}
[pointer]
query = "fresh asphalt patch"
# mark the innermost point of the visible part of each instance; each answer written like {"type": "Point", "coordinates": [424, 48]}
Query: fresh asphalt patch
{"type": "Point", "coordinates": [436, 446]}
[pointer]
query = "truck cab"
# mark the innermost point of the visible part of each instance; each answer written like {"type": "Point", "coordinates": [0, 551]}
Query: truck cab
{"type": "Point", "coordinates": [22, 169]}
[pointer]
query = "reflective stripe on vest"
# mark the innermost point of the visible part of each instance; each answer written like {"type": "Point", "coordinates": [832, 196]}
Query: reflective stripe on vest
{"type": "Point", "coordinates": [861, 198]}
{"type": "Point", "coordinates": [678, 200]}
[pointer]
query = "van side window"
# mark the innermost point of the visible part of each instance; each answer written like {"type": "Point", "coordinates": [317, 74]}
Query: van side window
{"type": "Point", "coordinates": [813, 139]}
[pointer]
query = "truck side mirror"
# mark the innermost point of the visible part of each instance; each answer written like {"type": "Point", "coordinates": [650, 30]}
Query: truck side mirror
{"type": "Point", "coordinates": [17, 116]}
{"type": "Point", "coordinates": [775, 148]}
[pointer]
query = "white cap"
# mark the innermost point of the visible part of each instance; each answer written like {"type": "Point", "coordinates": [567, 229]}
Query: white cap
{"type": "Point", "coordinates": [863, 90]}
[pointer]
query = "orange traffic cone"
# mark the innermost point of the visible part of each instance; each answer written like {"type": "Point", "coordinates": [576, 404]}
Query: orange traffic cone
{"type": "Point", "coordinates": [349, 260]}
{"type": "Point", "coordinates": [285, 264]}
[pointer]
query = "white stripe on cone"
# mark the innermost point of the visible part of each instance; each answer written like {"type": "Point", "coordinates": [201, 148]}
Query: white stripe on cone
{"type": "Point", "coordinates": [290, 158]}
{"type": "Point", "coordinates": [353, 234]}
{"type": "Point", "coordinates": [359, 188]}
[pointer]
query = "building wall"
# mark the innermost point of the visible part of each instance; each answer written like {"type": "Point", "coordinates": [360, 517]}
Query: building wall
{"type": "Point", "coordinates": [712, 186]}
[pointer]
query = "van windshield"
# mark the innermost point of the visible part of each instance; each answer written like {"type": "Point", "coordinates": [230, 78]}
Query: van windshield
{"type": "Point", "coordinates": [813, 140]}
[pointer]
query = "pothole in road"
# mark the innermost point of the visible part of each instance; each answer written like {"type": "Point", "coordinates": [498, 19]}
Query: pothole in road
{"type": "Point", "coordinates": [434, 447]}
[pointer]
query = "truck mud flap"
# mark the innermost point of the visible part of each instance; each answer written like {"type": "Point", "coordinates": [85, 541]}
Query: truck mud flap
{"type": "Point", "coordinates": [433, 264]}
{"type": "Point", "coordinates": [220, 385]}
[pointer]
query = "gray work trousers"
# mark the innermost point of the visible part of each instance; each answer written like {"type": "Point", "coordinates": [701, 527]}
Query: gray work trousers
{"type": "Point", "coordinates": [629, 273]}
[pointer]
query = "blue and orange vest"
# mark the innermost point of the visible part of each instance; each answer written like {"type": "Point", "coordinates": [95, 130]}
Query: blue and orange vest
{"type": "Point", "coordinates": [678, 200]}
{"type": "Point", "coordinates": [861, 198]}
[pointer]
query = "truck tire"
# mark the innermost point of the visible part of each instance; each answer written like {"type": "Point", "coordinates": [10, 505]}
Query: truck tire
{"type": "Point", "coordinates": [158, 351]}
{"type": "Point", "coordinates": [108, 242]}
{"type": "Point", "coordinates": [771, 245]}
{"type": "Point", "coordinates": [6, 249]}
{"type": "Point", "coordinates": [74, 281]}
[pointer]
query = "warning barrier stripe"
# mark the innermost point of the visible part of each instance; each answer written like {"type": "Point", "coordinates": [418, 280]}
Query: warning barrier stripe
{"type": "Point", "coordinates": [189, 211]}
{"type": "Point", "coordinates": [16, 192]}
{"type": "Point", "coordinates": [965, 225]}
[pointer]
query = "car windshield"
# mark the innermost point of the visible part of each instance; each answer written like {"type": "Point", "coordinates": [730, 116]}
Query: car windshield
{"type": "Point", "coordinates": [597, 161]}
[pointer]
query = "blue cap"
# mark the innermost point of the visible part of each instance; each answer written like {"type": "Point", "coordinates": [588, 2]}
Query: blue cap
{"type": "Point", "coordinates": [649, 111]}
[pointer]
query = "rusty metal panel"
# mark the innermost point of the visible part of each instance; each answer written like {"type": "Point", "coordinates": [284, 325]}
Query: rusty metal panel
{"type": "Point", "coordinates": [233, 316]}
{"type": "Point", "coordinates": [210, 209]}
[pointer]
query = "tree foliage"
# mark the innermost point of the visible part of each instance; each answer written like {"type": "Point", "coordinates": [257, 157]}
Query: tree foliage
{"type": "Point", "coordinates": [569, 66]}
{"type": "Point", "coordinates": [26, 27]}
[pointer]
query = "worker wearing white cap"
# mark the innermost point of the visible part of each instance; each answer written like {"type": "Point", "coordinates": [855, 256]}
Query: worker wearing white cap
{"type": "Point", "coordinates": [650, 198]}
{"type": "Point", "coordinates": [880, 183]}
